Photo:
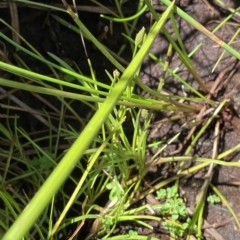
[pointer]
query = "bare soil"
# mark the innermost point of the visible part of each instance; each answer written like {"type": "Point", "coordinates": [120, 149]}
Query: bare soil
{"type": "Point", "coordinates": [225, 178]}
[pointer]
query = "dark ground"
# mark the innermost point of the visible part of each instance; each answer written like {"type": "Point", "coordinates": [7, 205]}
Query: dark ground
{"type": "Point", "coordinates": [225, 178]}
{"type": "Point", "coordinates": [39, 34]}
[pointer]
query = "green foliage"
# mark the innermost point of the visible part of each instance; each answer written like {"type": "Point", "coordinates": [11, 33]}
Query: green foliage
{"type": "Point", "coordinates": [102, 148]}
{"type": "Point", "coordinates": [132, 233]}
{"type": "Point", "coordinates": [175, 207]}
{"type": "Point", "coordinates": [116, 190]}
{"type": "Point", "coordinates": [107, 221]}
{"type": "Point", "coordinates": [168, 193]}
{"type": "Point", "coordinates": [176, 229]}
{"type": "Point", "coordinates": [213, 199]}
{"type": "Point", "coordinates": [42, 163]}
{"type": "Point", "coordinates": [161, 193]}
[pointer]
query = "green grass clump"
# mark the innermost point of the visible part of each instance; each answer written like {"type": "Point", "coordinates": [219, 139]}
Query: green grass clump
{"type": "Point", "coordinates": [101, 159]}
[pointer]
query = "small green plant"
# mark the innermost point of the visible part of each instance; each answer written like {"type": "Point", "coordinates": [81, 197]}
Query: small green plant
{"type": "Point", "coordinates": [168, 193]}
{"type": "Point", "coordinates": [161, 193]}
{"type": "Point", "coordinates": [177, 229]}
{"type": "Point", "coordinates": [108, 221]}
{"type": "Point", "coordinates": [132, 233]}
{"type": "Point", "coordinates": [116, 190]}
{"type": "Point", "coordinates": [213, 199]}
{"type": "Point", "coordinates": [175, 207]}
{"type": "Point", "coordinates": [43, 163]}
